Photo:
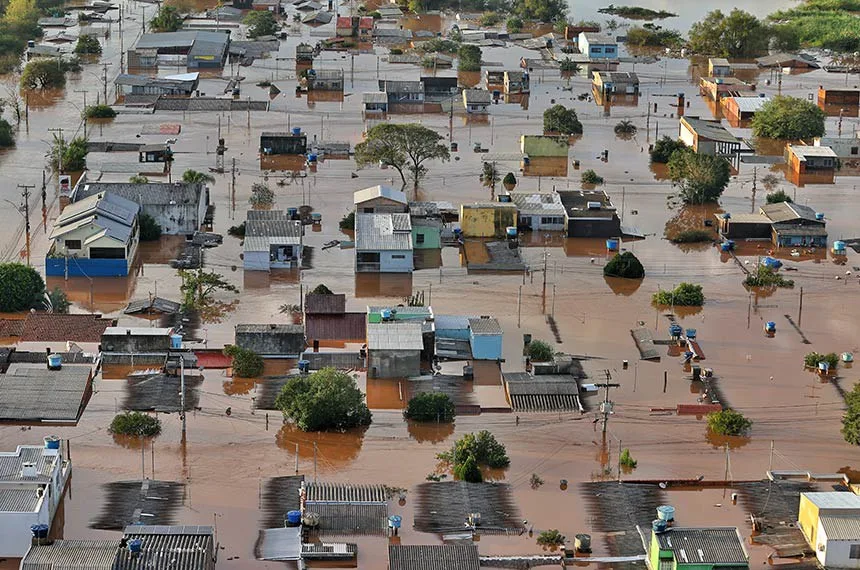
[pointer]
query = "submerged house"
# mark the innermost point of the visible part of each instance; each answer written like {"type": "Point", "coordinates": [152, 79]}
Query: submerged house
{"type": "Point", "coordinates": [597, 46]}
{"type": "Point", "coordinates": [272, 241]}
{"type": "Point", "coordinates": [383, 243]}
{"type": "Point", "coordinates": [516, 82]}
{"type": "Point", "coordinates": [403, 96]}
{"type": "Point", "coordinates": [272, 340]}
{"type": "Point", "coordinates": [615, 82]}
{"type": "Point", "coordinates": [374, 103]}
{"type": "Point", "coordinates": [485, 338]}
{"type": "Point", "coordinates": [784, 224]}
{"type": "Point", "coordinates": [697, 549]}
{"type": "Point", "coordinates": [718, 87]}
{"type": "Point", "coordinates": [819, 161]}
{"type": "Point", "coordinates": [325, 80]}
{"type": "Point", "coordinates": [94, 237]}
{"type": "Point", "coordinates": [183, 85]}
{"type": "Point", "coordinates": [394, 349]}
{"type": "Point", "coordinates": [719, 67]}
{"type": "Point", "coordinates": [708, 137]}
{"type": "Point", "coordinates": [830, 522]}
{"type": "Point", "coordinates": [194, 48]}
{"type": "Point", "coordinates": [476, 101]}
{"type": "Point", "coordinates": [293, 142]}
{"type": "Point", "coordinates": [838, 97]}
{"type": "Point", "coordinates": [487, 219]}
{"type": "Point", "coordinates": [539, 211]}
{"type": "Point", "coordinates": [739, 111]}
{"type": "Point", "coordinates": [379, 200]}
{"type": "Point", "coordinates": [589, 213]}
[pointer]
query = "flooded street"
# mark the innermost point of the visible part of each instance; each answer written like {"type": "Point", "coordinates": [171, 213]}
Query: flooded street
{"type": "Point", "coordinates": [226, 458]}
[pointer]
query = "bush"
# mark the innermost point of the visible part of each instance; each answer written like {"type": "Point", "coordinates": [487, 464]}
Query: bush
{"type": "Point", "coordinates": [551, 537]}
{"type": "Point", "coordinates": [540, 351]}
{"type": "Point", "coordinates": [58, 301]}
{"type": "Point", "coordinates": [7, 135]}
{"type": "Point", "coordinates": [514, 25]}
{"type": "Point", "coordinates": [326, 399]}
{"type": "Point", "coordinates": [261, 195]}
{"type": "Point", "coordinates": [693, 236]}
{"type": "Point", "coordinates": [99, 112]}
{"type": "Point", "coordinates": [43, 73]}
{"type": "Point", "coordinates": [684, 295]}
{"type": "Point", "coordinates": [624, 265]}
{"type": "Point", "coordinates": [700, 177]}
{"type": "Point", "coordinates": [138, 179]}
{"type": "Point", "coordinates": [626, 460]}
{"type": "Point", "coordinates": [468, 471]}
{"type": "Point", "coordinates": [560, 119]}
{"type": "Point", "coordinates": [490, 19]}
{"type": "Point", "coordinates": [246, 363]}
{"type": "Point", "coordinates": [728, 422]}
{"type": "Point", "coordinates": [767, 277]}
{"type": "Point", "coordinates": [663, 149]}
{"type": "Point", "coordinates": [430, 407]}
{"type": "Point", "coordinates": [321, 289]}
{"type": "Point", "coordinates": [21, 288]}
{"type": "Point", "coordinates": [237, 231]}
{"type": "Point", "coordinates": [74, 154]}
{"type": "Point", "coordinates": [438, 45]}
{"type": "Point", "coordinates": [195, 177]}
{"type": "Point", "coordinates": [167, 19]}
{"type": "Point", "coordinates": [567, 65]}
{"type": "Point", "coordinates": [788, 118]}
{"type": "Point", "coordinates": [625, 128]}
{"type": "Point", "coordinates": [535, 481]}
{"type": "Point", "coordinates": [469, 57]}
{"type": "Point", "coordinates": [812, 359]}
{"type": "Point", "coordinates": [591, 177]}
{"type": "Point", "coordinates": [777, 197]}
{"type": "Point", "coordinates": [149, 228]}
{"type": "Point", "coordinates": [651, 35]}
{"type": "Point", "coordinates": [509, 179]}
{"type": "Point", "coordinates": [851, 418]}
{"type": "Point", "coordinates": [135, 424]}
{"type": "Point", "coordinates": [88, 44]}
{"type": "Point", "coordinates": [260, 23]}
{"type": "Point", "coordinates": [347, 222]}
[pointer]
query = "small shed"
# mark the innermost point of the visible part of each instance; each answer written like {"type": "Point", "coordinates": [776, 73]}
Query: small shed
{"type": "Point", "coordinates": [719, 67]}
{"type": "Point", "coordinates": [394, 349]}
{"type": "Point", "coordinates": [379, 199]}
{"type": "Point", "coordinates": [485, 336]}
{"type": "Point", "coordinates": [136, 339]}
{"type": "Point", "coordinates": [272, 340]}
{"type": "Point", "coordinates": [818, 160]}
{"type": "Point", "coordinates": [487, 219]}
{"type": "Point", "coordinates": [841, 97]}
{"type": "Point", "coordinates": [476, 101]}
{"type": "Point", "coordinates": [739, 111]}
{"type": "Point", "coordinates": [293, 142]}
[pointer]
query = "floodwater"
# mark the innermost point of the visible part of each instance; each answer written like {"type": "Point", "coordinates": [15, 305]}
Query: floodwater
{"type": "Point", "coordinates": [225, 459]}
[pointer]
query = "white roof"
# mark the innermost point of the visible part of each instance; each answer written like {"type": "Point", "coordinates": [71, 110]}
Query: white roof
{"type": "Point", "coordinates": [137, 331]}
{"type": "Point", "coordinates": [834, 500]}
{"type": "Point", "coordinates": [374, 97]}
{"type": "Point", "coordinates": [802, 151]}
{"type": "Point", "coordinates": [183, 76]}
{"type": "Point", "coordinates": [383, 232]}
{"type": "Point", "coordinates": [378, 192]}
{"type": "Point", "coordinates": [395, 336]}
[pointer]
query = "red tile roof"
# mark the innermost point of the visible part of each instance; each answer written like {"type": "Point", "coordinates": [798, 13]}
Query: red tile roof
{"type": "Point", "coordinates": [11, 327]}
{"type": "Point", "coordinates": [348, 326]}
{"type": "Point", "coordinates": [212, 359]}
{"type": "Point", "coordinates": [366, 23]}
{"type": "Point", "coordinates": [344, 22]}
{"type": "Point", "coordinates": [316, 304]}
{"type": "Point", "coordinates": [55, 327]}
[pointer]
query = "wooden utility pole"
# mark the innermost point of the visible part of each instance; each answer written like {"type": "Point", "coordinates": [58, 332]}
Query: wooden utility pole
{"type": "Point", "coordinates": [26, 213]}
{"type": "Point", "coordinates": [800, 309]}
{"type": "Point", "coordinates": [606, 405]}
{"type": "Point", "coordinates": [754, 188]}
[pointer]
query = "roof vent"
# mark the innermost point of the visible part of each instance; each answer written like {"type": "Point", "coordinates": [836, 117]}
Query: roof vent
{"type": "Point", "coordinates": [28, 469]}
{"type": "Point", "coordinates": [594, 205]}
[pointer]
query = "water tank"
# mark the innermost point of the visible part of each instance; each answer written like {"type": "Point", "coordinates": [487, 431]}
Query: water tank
{"type": "Point", "coordinates": [666, 513]}
{"type": "Point", "coordinates": [292, 212]}
{"type": "Point", "coordinates": [526, 161]}
{"type": "Point", "coordinates": [304, 366]}
{"type": "Point", "coordinates": [468, 372]}
{"type": "Point", "coordinates": [658, 526]}
{"type": "Point", "coordinates": [511, 231]}
{"type": "Point", "coordinates": [819, 216]}
{"type": "Point", "coordinates": [582, 542]}
{"type": "Point", "coordinates": [39, 530]}
{"type": "Point", "coordinates": [394, 521]}
{"type": "Point", "coordinates": [691, 333]}
{"type": "Point", "coordinates": [316, 217]}
{"type": "Point", "coordinates": [675, 329]}
{"type": "Point", "coordinates": [294, 518]}
{"type": "Point", "coordinates": [31, 43]}
{"type": "Point", "coordinates": [311, 519]}
{"type": "Point", "coordinates": [594, 205]}
{"type": "Point", "coordinates": [297, 131]}
{"type": "Point", "coordinates": [176, 341]}
{"type": "Point", "coordinates": [475, 519]}
{"type": "Point", "coordinates": [823, 367]}
{"type": "Point", "coordinates": [52, 442]}
{"type": "Point", "coordinates": [312, 157]}
{"type": "Point", "coordinates": [55, 361]}
{"type": "Point", "coordinates": [506, 198]}
{"type": "Point", "coordinates": [727, 246]}
{"type": "Point", "coordinates": [770, 326]}
{"type": "Point", "coordinates": [386, 314]}
{"type": "Point", "coordinates": [847, 357]}
{"type": "Point", "coordinates": [839, 247]}
{"type": "Point", "coordinates": [135, 545]}
{"type": "Point", "coordinates": [612, 244]}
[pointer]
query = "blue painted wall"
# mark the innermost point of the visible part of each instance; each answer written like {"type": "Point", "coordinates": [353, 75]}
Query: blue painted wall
{"type": "Point", "coordinates": [486, 347]}
{"type": "Point", "coordinates": [80, 267]}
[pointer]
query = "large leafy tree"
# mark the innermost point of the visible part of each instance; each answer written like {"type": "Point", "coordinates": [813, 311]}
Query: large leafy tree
{"type": "Point", "coordinates": [700, 177]}
{"type": "Point", "coordinates": [851, 419]}
{"type": "Point", "coordinates": [199, 285]}
{"type": "Point", "coordinates": [430, 407]}
{"type": "Point", "coordinates": [624, 265]}
{"type": "Point", "coordinates": [88, 44]}
{"type": "Point", "coordinates": [664, 147]}
{"type": "Point", "coordinates": [405, 148]}
{"type": "Point", "coordinates": [469, 58]}
{"type": "Point", "coordinates": [728, 422]}
{"type": "Point", "coordinates": [167, 19]}
{"type": "Point", "coordinates": [560, 119]}
{"type": "Point", "coordinates": [542, 10]}
{"type": "Point", "coordinates": [43, 73]}
{"type": "Point", "coordinates": [21, 288]}
{"type": "Point", "coordinates": [788, 118]}
{"type": "Point", "coordinates": [325, 400]}
{"type": "Point", "coordinates": [260, 23]}
{"type": "Point", "coordinates": [738, 34]}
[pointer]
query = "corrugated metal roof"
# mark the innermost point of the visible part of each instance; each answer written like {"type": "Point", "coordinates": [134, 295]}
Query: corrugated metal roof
{"type": "Point", "coordinates": [256, 243]}
{"type": "Point", "coordinates": [452, 322]}
{"type": "Point", "coordinates": [719, 545]}
{"type": "Point", "coordinates": [280, 544]}
{"type": "Point", "coordinates": [137, 331]}
{"type": "Point", "coordinates": [325, 304]}
{"type": "Point", "coordinates": [802, 151]}
{"type": "Point", "coordinates": [168, 548]}
{"type": "Point", "coordinates": [433, 557]}
{"type": "Point", "coordinates": [390, 86]}
{"type": "Point", "coordinates": [538, 203]}
{"type": "Point", "coordinates": [841, 527]}
{"type": "Point", "coordinates": [711, 130]}
{"type": "Point", "coordinates": [788, 211]}
{"type": "Point", "coordinates": [278, 228]}
{"type": "Point", "coordinates": [72, 555]}
{"type": "Point", "coordinates": [379, 191]}
{"type": "Point", "coordinates": [395, 336]}
{"type": "Point", "coordinates": [374, 97]}
{"type": "Point", "coordinates": [834, 500]}
{"type": "Point", "coordinates": [346, 326]}
{"type": "Point", "coordinates": [476, 96]}
{"type": "Point", "coordinates": [43, 395]}
{"type": "Point", "coordinates": [150, 193]}
{"type": "Point", "coordinates": [18, 500]}
{"type": "Point", "coordinates": [750, 104]}
{"type": "Point", "coordinates": [485, 326]}
{"type": "Point", "coordinates": [270, 329]}
{"type": "Point", "coordinates": [378, 232]}
{"type": "Point", "coordinates": [109, 211]}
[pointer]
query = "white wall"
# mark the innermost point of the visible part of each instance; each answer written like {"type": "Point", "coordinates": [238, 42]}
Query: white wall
{"type": "Point", "coordinates": [835, 553]}
{"type": "Point", "coordinates": [256, 261]}
{"type": "Point", "coordinates": [15, 535]}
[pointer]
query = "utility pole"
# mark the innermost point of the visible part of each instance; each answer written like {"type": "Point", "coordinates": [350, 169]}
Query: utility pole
{"type": "Point", "coordinates": [104, 81]}
{"type": "Point", "coordinates": [754, 188]}
{"type": "Point", "coordinates": [552, 311]}
{"type": "Point", "coordinates": [84, 114]}
{"type": "Point", "coordinates": [60, 150]}
{"type": "Point", "coordinates": [607, 405]}
{"type": "Point", "coordinates": [770, 463]}
{"type": "Point", "coordinates": [520, 305]}
{"type": "Point", "coordinates": [233, 188]}
{"type": "Point", "coordinates": [44, 203]}
{"type": "Point", "coordinates": [26, 213]}
{"type": "Point", "coordinates": [315, 462]}
{"type": "Point", "coordinates": [182, 391]}
{"type": "Point", "coordinates": [800, 309]}
{"type": "Point", "coordinates": [297, 459]}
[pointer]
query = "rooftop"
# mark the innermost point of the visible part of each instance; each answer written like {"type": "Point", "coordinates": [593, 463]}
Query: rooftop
{"type": "Point", "coordinates": [39, 395]}
{"type": "Point", "coordinates": [477, 96]}
{"type": "Point", "coordinates": [486, 205]}
{"type": "Point", "coordinates": [718, 61]}
{"type": "Point", "coordinates": [401, 86]}
{"type": "Point", "coordinates": [788, 211]}
{"type": "Point", "coordinates": [711, 130]}
{"type": "Point", "coordinates": [72, 555]}
{"type": "Point", "coordinates": [374, 97]}
{"type": "Point", "coordinates": [270, 329]}
{"type": "Point", "coordinates": [114, 214]}
{"type": "Point", "coordinates": [19, 500]}
{"type": "Point", "coordinates": [750, 104]}
{"type": "Point", "coordinates": [56, 327]}
{"type": "Point", "coordinates": [325, 304]}
{"type": "Point", "coordinates": [279, 231]}
{"type": "Point", "coordinates": [378, 191]}
{"type": "Point", "coordinates": [11, 463]}
{"type": "Point", "coordinates": [725, 80]}
{"type": "Point", "coordinates": [587, 204]}
{"type": "Point", "coordinates": [597, 38]}
{"type": "Point", "coordinates": [137, 331]}
{"type": "Point", "coordinates": [804, 151]}
{"type": "Point", "coordinates": [434, 557]}
{"type": "Point", "coordinates": [485, 326]}
{"type": "Point", "coordinates": [538, 202]}
{"type": "Point", "coordinates": [345, 326]}
{"type": "Point", "coordinates": [617, 76]}
{"type": "Point", "coordinates": [182, 38]}
{"type": "Point", "coordinates": [841, 527]}
{"type": "Point", "coordinates": [834, 500]}
{"type": "Point", "coordinates": [383, 232]}
{"type": "Point", "coordinates": [717, 545]}
{"type": "Point", "coordinates": [150, 193]}
{"type": "Point", "coordinates": [395, 336]}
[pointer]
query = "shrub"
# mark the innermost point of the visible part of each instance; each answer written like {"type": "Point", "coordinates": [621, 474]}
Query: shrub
{"type": "Point", "coordinates": [482, 446]}
{"type": "Point", "coordinates": [540, 351]}
{"type": "Point", "coordinates": [514, 25]}
{"type": "Point", "coordinates": [490, 19]}
{"type": "Point", "coordinates": [693, 236]}
{"type": "Point", "coordinates": [567, 65]}
{"type": "Point", "coordinates": [550, 537]}
{"type": "Point", "coordinates": [149, 228]}
{"type": "Point", "coordinates": [468, 470]}
{"type": "Point", "coordinates": [21, 288]}
{"type": "Point", "coordinates": [624, 265]}
{"type": "Point", "coordinates": [138, 179]}
{"type": "Point", "coordinates": [430, 407]}
{"type": "Point", "coordinates": [99, 112]}
{"type": "Point", "coordinates": [260, 23]}
{"type": "Point", "coordinates": [728, 422]}
{"type": "Point", "coordinates": [88, 44]}
{"type": "Point", "coordinates": [591, 177]}
{"type": "Point", "coordinates": [7, 135]}
{"type": "Point", "coordinates": [261, 195]}
{"type": "Point", "coordinates": [700, 177]}
{"type": "Point", "coordinates": [767, 277]}
{"type": "Point", "coordinates": [625, 128]}
{"type": "Point", "coordinates": [788, 118]}
{"type": "Point", "coordinates": [135, 424]}
{"type": "Point", "coordinates": [237, 231]}
{"type": "Point", "coordinates": [194, 176]}
{"type": "Point", "coordinates": [663, 149]}
{"type": "Point", "coordinates": [653, 36]}
{"type": "Point", "coordinates": [684, 295]}
{"type": "Point", "coordinates": [167, 19]}
{"type": "Point", "coordinates": [246, 363]}
{"type": "Point", "coordinates": [812, 359]}
{"type": "Point", "coordinates": [58, 300]}
{"type": "Point", "coordinates": [509, 179]}
{"type": "Point", "coordinates": [777, 197]}
{"type": "Point", "coordinates": [321, 289]}
{"type": "Point", "coordinates": [560, 119]}
{"type": "Point", "coordinates": [469, 57]}
{"type": "Point", "coordinates": [347, 222]}
{"type": "Point", "coordinates": [626, 460]}
{"type": "Point", "coordinates": [535, 482]}
{"type": "Point", "coordinates": [326, 399]}
{"type": "Point", "coordinates": [851, 418]}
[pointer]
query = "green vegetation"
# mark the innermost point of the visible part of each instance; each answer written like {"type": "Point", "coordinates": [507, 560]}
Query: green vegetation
{"type": "Point", "coordinates": [489, 175]}
{"type": "Point", "coordinates": [469, 58]}
{"type": "Point", "coordinates": [540, 351]}
{"type": "Point", "coordinates": [468, 470]}
{"type": "Point", "coordinates": [684, 295]}
{"type": "Point", "coordinates": [651, 35]}
{"type": "Point", "coordinates": [72, 156]}
{"type": "Point", "coordinates": [625, 128]}
{"type": "Point", "coordinates": [535, 481]}
{"type": "Point", "coordinates": [321, 289]}
{"type": "Point", "coordinates": [138, 179]}
{"type": "Point", "coordinates": [636, 12]}
{"type": "Point", "coordinates": [237, 231]}
{"type": "Point", "coordinates": [551, 538]}
{"type": "Point", "coordinates": [430, 407]}
{"type": "Point", "coordinates": [472, 451]}
{"type": "Point", "coordinates": [149, 228]}
{"type": "Point", "coordinates": [540, 10]}
{"type": "Point", "coordinates": [626, 460]}
{"type": "Point", "coordinates": [135, 424]}
{"type": "Point", "coordinates": [347, 222]}
{"type": "Point", "coordinates": [88, 45]}
{"type": "Point", "coordinates": [404, 147]}
{"type": "Point", "coordinates": [728, 422]}
{"type": "Point", "coordinates": [777, 197]}
{"type": "Point", "coordinates": [194, 176]}
{"type": "Point", "coordinates": [21, 288]}
{"type": "Point", "coordinates": [57, 301]}
{"type": "Point", "coordinates": [260, 23]}
{"type": "Point", "coordinates": [198, 286]}
{"type": "Point", "coordinates": [246, 363]}
{"type": "Point", "coordinates": [738, 34]}
{"type": "Point", "coordinates": [509, 180]}
{"type": "Point", "coordinates": [567, 65]}
{"type": "Point", "coordinates": [7, 134]}
{"type": "Point", "coordinates": [663, 149]}
{"type": "Point", "coordinates": [325, 400]}
{"type": "Point", "coordinates": [99, 112]}
{"type": "Point", "coordinates": [693, 236]}
{"type": "Point", "coordinates": [438, 45]}
{"type": "Point", "coordinates": [767, 277]}
{"type": "Point", "coordinates": [44, 73]}
{"type": "Point", "coordinates": [591, 177]}
{"type": "Point", "coordinates": [490, 19]}
{"type": "Point", "coordinates": [18, 24]}
{"type": "Point", "coordinates": [831, 24]}
{"type": "Point", "coordinates": [514, 25]}
{"type": "Point", "coordinates": [261, 195]}
{"type": "Point", "coordinates": [700, 177]}
{"type": "Point", "coordinates": [560, 119]}
{"type": "Point", "coordinates": [851, 418]}
{"type": "Point", "coordinates": [167, 19]}
{"type": "Point", "coordinates": [788, 118]}
{"type": "Point", "coordinates": [624, 265]}
{"type": "Point", "coordinates": [813, 359]}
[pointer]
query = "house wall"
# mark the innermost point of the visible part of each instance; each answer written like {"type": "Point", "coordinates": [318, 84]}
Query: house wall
{"type": "Point", "coordinates": [15, 535]}
{"type": "Point", "coordinates": [82, 267]}
{"type": "Point", "coordinates": [486, 222]}
{"type": "Point", "coordinates": [834, 553]}
{"type": "Point", "coordinates": [284, 144]}
{"type": "Point", "coordinates": [542, 145]}
{"type": "Point", "coordinates": [594, 227]}
{"type": "Point", "coordinates": [747, 231]}
{"type": "Point", "coordinates": [432, 237]}
{"type": "Point", "coordinates": [272, 343]}
{"type": "Point", "coordinates": [486, 347]}
{"type": "Point", "coordinates": [395, 262]}
{"type": "Point", "coordinates": [177, 219]}
{"type": "Point", "coordinates": [380, 205]}
{"type": "Point", "coordinates": [135, 343]}
{"type": "Point", "coordinates": [687, 136]}
{"type": "Point", "coordinates": [393, 363]}
{"type": "Point", "coordinates": [848, 147]}
{"type": "Point", "coordinates": [256, 261]}
{"type": "Point", "coordinates": [535, 222]}
{"type": "Point", "coordinates": [838, 97]}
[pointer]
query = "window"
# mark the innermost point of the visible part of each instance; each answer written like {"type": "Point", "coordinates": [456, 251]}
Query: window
{"type": "Point", "coordinates": [854, 150]}
{"type": "Point", "coordinates": [854, 554]}
{"type": "Point", "coordinates": [398, 257]}
{"type": "Point", "coordinates": [551, 220]}
{"type": "Point", "coordinates": [419, 238]}
{"type": "Point", "coordinates": [73, 244]}
{"type": "Point", "coordinates": [107, 253]}
{"type": "Point", "coordinates": [367, 210]}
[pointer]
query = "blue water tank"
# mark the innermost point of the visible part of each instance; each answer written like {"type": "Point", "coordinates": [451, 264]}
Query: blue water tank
{"type": "Point", "coordinates": [823, 366]}
{"type": "Point", "coordinates": [297, 131]}
{"type": "Point", "coordinates": [770, 326]}
{"type": "Point", "coordinates": [838, 246]}
{"type": "Point", "coordinates": [658, 526]}
{"type": "Point", "coordinates": [135, 545]}
{"type": "Point", "coordinates": [304, 366]}
{"type": "Point", "coordinates": [691, 333]}
{"type": "Point", "coordinates": [55, 361]}
{"type": "Point", "coordinates": [504, 198]}
{"type": "Point", "coordinates": [511, 231]}
{"type": "Point", "coordinates": [316, 217]}
{"type": "Point", "coordinates": [292, 212]}
{"type": "Point", "coordinates": [819, 216]}
{"type": "Point", "coordinates": [526, 160]}
{"type": "Point", "coordinates": [394, 521]}
{"type": "Point", "coordinates": [312, 157]}
{"type": "Point", "coordinates": [52, 442]}
{"type": "Point", "coordinates": [176, 341]}
{"type": "Point", "coordinates": [675, 329]}
{"type": "Point", "coordinates": [612, 244]}
{"type": "Point", "coordinates": [385, 314]}
{"type": "Point", "coordinates": [294, 518]}
{"type": "Point", "coordinates": [666, 513]}
{"type": "Point", "coordinates": [39, 530]}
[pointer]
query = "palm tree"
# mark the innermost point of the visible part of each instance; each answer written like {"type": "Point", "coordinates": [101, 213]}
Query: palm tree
{"type": "Point", "coordinates": [625, 128]}
{"type": "Point", "coordinates": [490, 175]}
{"type": "Point", "coordinates": [567, 65]}
{"type": "Point", "coordinates": [193, 176]}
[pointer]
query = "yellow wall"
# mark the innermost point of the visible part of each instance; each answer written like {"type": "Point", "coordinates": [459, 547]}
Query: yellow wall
{"type": "Point", "coordinates": [808, 517]}
{"type": "Point", "coordinates": [486, 222]}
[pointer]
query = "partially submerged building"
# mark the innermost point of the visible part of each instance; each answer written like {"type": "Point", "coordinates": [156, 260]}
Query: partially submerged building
{"type": "Point", "coordinates": [487, 219]}
{"type": "Point", "coordinates": [182, 85]}
{"type": "Point", "coordinates": [485, 338]}
{"type": "Point", "coordinates": [697, 549]}
{"type": "Point", "coordinates": [476, 101]}
{"type": "Point", "coordinates": [819, 162]}
{"type": "Point", "coordinates": [280, 142]}
{"type": "Point", "coordinates": [589, 214]}
{"type": "Point", "coordinates": [830, 522]}
{"type": "Point", "coordinates": [784, 224]}
{"type": "Point", "coordinates": [139, 340]}
{"type": "Point", "coordinates": [325, 80]}
{"type": "Point", "coordinates": [272, 340]}
{"type": "Point", "coordinates": [615, 82]}
{"type": "Point", "coordinates": [394, 349]}
{"type": "Point", "coordinates": [374, 103]}
{"type": "Point", "coordinates": [383, 243]}
{"type": "Point", "coordinates": [403, 96]}
{"type": "Point", "coordinates": [326, 319]}
{"type": "Point", "coordinates": [43, 396]}
{"type": "Point", "coordinates": [719, 67]}
{"type": "Point", "coordinates": [437, 556]}
{"type": "Point", "coordinates": [516, 82]}
{"type": "Point", "coordinates": [597, 46]}
{"type": "Point", "coordinates": [716, 88]}
{"type": "Point", "coordinates": [708, 137]}
{"type": "Point", "coordinates": [787, 60]}
{"type": "Point", "coordinates": [272, 241]}
{"type": "Point", "coordinates": [539, 211]}
{"type": "Point", "coordinates": [739, 111]}
{"type": "Point", "coordinates": [540, 146]}
{"type": "Point", "coordinates": [195, 49]}
{"type": "Point", "coordinates": [838, 97]}
{"type": "Point", "coordinates": [379, 199]}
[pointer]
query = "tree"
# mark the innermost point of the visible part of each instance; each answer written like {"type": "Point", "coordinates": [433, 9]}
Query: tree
{"type": "Point", "coordinates": [625, 128]}
{"type": "Point", "coordinates": [21, 288]}
{"type": "Point", "coordinates": [509, 180]}
{"type": "Point", "coordinates": [700, 177]}
{"type": "Point", "coordinates": [489, 19]}
{"type": "Point", "coordinates": [473, 450]}
{"type": "Point", "coordinates": [469, 58]}
{"type": "Point", "coordinates": [135, 424]}
{"type": "Point", "coordinates": [740, 34]}
{"type": "Point", "coordinates": [560, 119]}
{"type": "Point", "coordinates": [624, 265]}
{"type": "Point", "coordinates": [246, 363]}
{"type": "Point", "coordinates": [99, 112]}
{"type": "Point", "coordinates": [7, 135]}
{"type": "Point", "coordinates": [321, 289]}
{"type": "Point", "coordinates": [490, 175]}
{"type": "Point", "coordinates": [542, 10]}
{"type": "Point", "coordinates": [167, 19]}
{"type": "Point", "coordinates": [260, 23]}
{"type": "Point", "coordinates": [851, 418]}
{"type": "Point", "coordinates": [347, 222]}
{"type": "Point", "coordinates": [567, 65]}
{"type": "Point", "coordinates": [812, 359]}
{"type": "Point", "coordinates": [430, 407]}
{"type": "Point", "coordinates": [196, 177]}
{"type": "Point", "coordinates": [20, 13]}
{"type": "Point", "coordinates": [261, 195]}
{"type": "Point", "coordinates": [325, 400]}
{"type": "Point", "coordinates": [138, 179]}
{"type": "Point", "coordinates": [514, 25]}
{"type": "Point", "coordinates": [550, 538]}
{"type": "Point", "coordinates": [626, 460]}
{"type": "Point", "coordinates": [591, 177]}
{"type": "Point", "coordinates": [88, 44]}
{"type": "Point", "coordinates": [540, 351]}
{"type": "Point", "coordinates": [468, 470]}
{"type": "Point", "coordinates": [728, 422]}
{"type": "Point", "coordinates": [149, 228]}
{"type": "Point", "coordinates": [71, 156]}
{"type": "Point", "coordinates": [684, 295]}
{"type": "Point", "coordinates": [663, 149]}
{"type": "Point", "coordinates": [777, 197]}
{"type": "Point", "coordinates": [766, 277]}
{"type": "Point", "coordinates": [43, 73]}
{"type": "Point", "coordinates": [57, 301]}
{"type": "Point", "coordinates": [402, 147]}
{"type": "Point", "coordinates": [199, 285]}
{"type": "Point", "coordinates": [693, 236]}
{"type": "Point", "coordinates": [788, 118]}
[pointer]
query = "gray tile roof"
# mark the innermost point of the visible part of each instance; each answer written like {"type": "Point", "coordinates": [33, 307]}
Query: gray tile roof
{"type": "Point", "coordinates": [37, 394]}
{"type": "Point", "coordinates": [395, 336]}
{"type": "Point", "coordinates": [266, 214]}
{"type": "Point", "coordinates": [72, 555]}
{"type": "Point", "coordinates": [150, 193]}
{"type": "Point", "coordinates": [711, 130]}
{"type": "Point", "coordinates": [11, 463]}
{"type": "Point", "coordinates": [374, 97]}
{"type": "Point", "coordinates": [383, 232]}
{"type": "Point", "coordinates": [789, 211]}
{"type": "Point", "coordinates": [168, 548]}
{"type": "Point", "coordinates": [276, 231]}
{"type": "Point", "coordinates": [378, 191]}
{"type": "Point", "coordinates": [576, 204]}
{"type": "Point", "coordinates": [485, 326]}
{"type": "Point", "coordinates": [718, 545]}
{"type": "Point", "coordinates": [476, 96]}
{"type": "Point", "coordinates": [272, 328]}
{"type": "Point", "coordinates": [390, 86]}
{"type": "Point", "coordinates": [113, 213]}
{"type": "Point", "coordinates": [433, 557]}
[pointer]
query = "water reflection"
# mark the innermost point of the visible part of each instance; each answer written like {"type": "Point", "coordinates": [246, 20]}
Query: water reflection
{"type": "Point", "coordinates": [385, 393]}
{"type": "Point", "coordinates": [396, 285]}
{"type": "Point", "coordinates": [721, 441]}
{"type": "Point", "coordinates": [132, 441]}
{"type": "Point", "coordinates": [620, 286]}
{"type": "Point", "coordinates": [429, 432]}
{"type": "Point", "coordinates": [335, 450]}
